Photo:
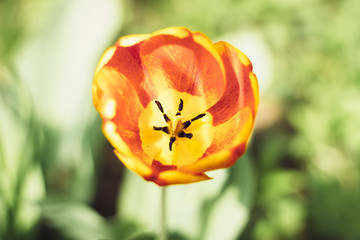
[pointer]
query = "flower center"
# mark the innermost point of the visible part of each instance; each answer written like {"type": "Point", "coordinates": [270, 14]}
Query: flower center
{"type": "Point", "coordinates": [175, 129]}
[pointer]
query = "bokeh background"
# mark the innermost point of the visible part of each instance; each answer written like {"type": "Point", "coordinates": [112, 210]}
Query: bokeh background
{"type": "Point", "coordinates": [299, 179]}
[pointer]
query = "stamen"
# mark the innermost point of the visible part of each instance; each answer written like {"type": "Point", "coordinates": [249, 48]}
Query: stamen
{"type": "Point", "coordinates": [179, 126]}
{"type": "Point", "coordinates": [181, 105]}
{"type": "Point", "coordinates": [198, 117]}
{"type": "Point", "coordinates": [187, 135]}
{"type": "Point", "coordinates": [172, 140]}
{"type": "Point", "coordinates": [186, 124]}
{"type": "Point", "coordinates": [159, 106]}
{"type": "Point", "coordinates": [167, 119]}
{"type": "Point", "coordinates": [164, 129]}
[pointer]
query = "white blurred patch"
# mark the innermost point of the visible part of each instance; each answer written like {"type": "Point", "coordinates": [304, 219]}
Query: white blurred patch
{"type": "Point", "coordinates": [58, 63]}
{"type": "Point", "coordinates": [110, 108]}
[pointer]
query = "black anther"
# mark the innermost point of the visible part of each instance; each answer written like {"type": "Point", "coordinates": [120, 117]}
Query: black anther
{"type": "Point", "coordinates": [164, 129]}
{"type": "Point", "coordinates": [167, 119]}
{"type": "Point", "coordinates": [186, 124]}
{"type": "Point", "coordinates": [187, 135]}
{"type": "Point", "coordinates": [181, 105]}
{"type": "Point", "coordinates": [159, 106]}
{"type": "Point", "coordinates": [198, 117]}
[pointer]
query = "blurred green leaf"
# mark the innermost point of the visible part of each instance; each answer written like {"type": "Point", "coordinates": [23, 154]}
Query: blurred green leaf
{"type": "Point", "coordinates": [21, 179]}
{"type": "Point", "coordinates": [66, 40]}
{"type": "Point", "coordinates": [284, 206]}
{"type": "Point", "coordinates": [226, 198]}
{"type": "Point", "coordinates": [139, 201]}
{"type": "Point", "coordinates": [78, 221]}
{"type": "Point", "coordinates": [227, 218]}
{"type": "Point", "coordinates": [332, 205]}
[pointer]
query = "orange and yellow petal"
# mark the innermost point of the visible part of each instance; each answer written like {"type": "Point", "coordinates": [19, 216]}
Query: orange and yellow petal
{"type": "Point", "coordinates": [126, 61]}
{"type": "Point", "coordinates": [131, 40]}
{"type": "Point", "coordinates": [134, 164]}
{"type": "Point", "coordinates": [241, 85]}
{"type": "Point", "coordinates": [179, 32]}
{"type": "Point", "coordinates": [117, 100]}
{"type": "Point", "coordinates": [162, 175]}
{"type": "Point", "coordinates": [230, 141]}
{"type": "Point", "coordinates": [177, 177]}
{"type": "Point", "coordinates": [185, 62]}
{"type": "Point", "coordinates": [119, 107]}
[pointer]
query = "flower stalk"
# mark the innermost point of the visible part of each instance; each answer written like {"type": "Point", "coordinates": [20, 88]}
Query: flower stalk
{"type": "Point", "coordinates": [163, 232]}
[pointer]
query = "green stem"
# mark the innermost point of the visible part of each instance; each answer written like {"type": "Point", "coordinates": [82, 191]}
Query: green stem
{"type": "Point", "coordinates": [163, 234]}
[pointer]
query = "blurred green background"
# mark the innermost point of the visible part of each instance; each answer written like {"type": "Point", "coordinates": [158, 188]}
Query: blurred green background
{"type": "Point", "coordinates": [298, 180]}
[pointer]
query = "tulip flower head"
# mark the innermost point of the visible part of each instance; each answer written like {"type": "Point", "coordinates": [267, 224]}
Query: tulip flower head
{"type": "Point", "coordinates": [175, 105]}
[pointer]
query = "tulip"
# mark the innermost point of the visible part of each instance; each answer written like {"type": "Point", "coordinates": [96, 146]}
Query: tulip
{"type": "Point", "coordinates": [175, 105]}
